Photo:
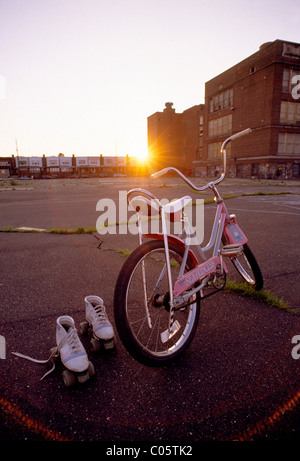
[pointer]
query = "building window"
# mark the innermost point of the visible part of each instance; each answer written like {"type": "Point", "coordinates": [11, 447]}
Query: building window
{"type": "Point", "coordinates": [220, 126]}
{"type": "Point", "coordinates": [287, 84]}
{"type": "Point", "coordinates": [290, 112]}
{"type": "Point", "coordinates": [201, 125]}
{"type": "Point", "coordinates": [289, 143]}
{"type": "Point", "coordinates": [254, 169]}
{"type": "Point", "coordinates": [221, 101]}
{"type": "Point", "coordinates": [239, 170]}
{"type": "Point", "coordinates": [214, 150]}
{"type": "Point", "coordinates": [296, 169]}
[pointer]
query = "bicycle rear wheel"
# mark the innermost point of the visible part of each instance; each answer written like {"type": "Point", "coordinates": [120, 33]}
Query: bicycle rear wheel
{"type": "Point", "coordinates": [141, 306]}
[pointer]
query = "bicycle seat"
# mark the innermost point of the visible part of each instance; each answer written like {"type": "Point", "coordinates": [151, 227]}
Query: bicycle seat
{"type": "Point", "coordinates": [146, 206]}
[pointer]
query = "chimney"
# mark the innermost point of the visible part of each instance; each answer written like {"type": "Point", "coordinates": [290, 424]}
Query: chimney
{"type": "Point", "coordinates": [169, 107]}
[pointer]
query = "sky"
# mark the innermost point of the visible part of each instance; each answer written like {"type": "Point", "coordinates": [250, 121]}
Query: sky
{"type": "Point", "coordinates": [82, 76]}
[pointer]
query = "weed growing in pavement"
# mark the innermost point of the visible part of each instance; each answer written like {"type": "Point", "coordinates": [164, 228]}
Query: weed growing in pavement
{"type": "Point", "coordinates": [79, 230]}
{"type": "Point", "coordinates": [265, 296]}
{"type": "Point", "coordinates": [250, 194]}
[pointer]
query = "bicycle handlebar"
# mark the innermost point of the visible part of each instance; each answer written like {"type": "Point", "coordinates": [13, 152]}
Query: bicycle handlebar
{"type": "Point", "coordinates": [160, 173]}
{"type": "Point", "coordinates": [240, 133]}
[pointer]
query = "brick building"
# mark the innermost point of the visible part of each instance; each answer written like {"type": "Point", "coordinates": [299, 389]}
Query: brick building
{"type": "Point", "coordinates": [7, 166]}
{"type": "Point", "coordinates": [261, 92]}
{"type": "Point", "coordinates": [174, 139]}
{"type": "Point", "coordinates": [164, 135]}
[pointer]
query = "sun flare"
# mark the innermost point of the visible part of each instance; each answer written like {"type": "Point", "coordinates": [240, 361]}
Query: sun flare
{"type": "Point", "coordinates": [142, 156]}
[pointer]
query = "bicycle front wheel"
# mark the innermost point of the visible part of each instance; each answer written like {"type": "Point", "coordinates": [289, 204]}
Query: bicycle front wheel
{"type": "Point", "coordinates": [142, 310]}
{"type": "Point", "coordinates": [248, 268]}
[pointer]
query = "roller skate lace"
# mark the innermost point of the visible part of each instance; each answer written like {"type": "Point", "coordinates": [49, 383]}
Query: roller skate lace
{"type": "Point", "coordinates": [101, 315]}
{"type": "Point", "coordinates": [100, 318]}
{"type": "Point", "coordinates": [74, 343]}
{"type": "Point", "coordinates": [73, 340]}
{"type": "Point", "coordinates": [53, 356]}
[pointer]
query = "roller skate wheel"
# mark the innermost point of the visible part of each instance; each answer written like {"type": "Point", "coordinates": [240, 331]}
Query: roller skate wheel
{"type": "Point", "coordinates": [84, 377]}
{"type": "Point", "coordinates": [68, 378]}
{"type": "Point", "coordinates": [91, 369]}
{"type": "Point", "coordinates": [109, 344]}
{"type": "Point", "coordinates": [83, 328]}
{"type": "Point", "coordinates": [95, 345]}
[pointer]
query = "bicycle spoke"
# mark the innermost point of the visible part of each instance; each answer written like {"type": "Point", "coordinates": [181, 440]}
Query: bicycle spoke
{"type": "Point", "coordinates": [150, 280]}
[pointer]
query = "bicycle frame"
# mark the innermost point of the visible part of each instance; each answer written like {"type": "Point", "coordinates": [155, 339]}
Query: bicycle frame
{"type": "Point", "coordinates": [224, 227]}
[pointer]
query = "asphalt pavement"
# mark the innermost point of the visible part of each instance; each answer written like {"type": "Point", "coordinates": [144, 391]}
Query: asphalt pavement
{"type": "Point", "coordinates": [237, 381]}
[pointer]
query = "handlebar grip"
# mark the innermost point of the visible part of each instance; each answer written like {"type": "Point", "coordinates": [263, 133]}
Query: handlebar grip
{"type": "Point", "coordinates": [241, 133]}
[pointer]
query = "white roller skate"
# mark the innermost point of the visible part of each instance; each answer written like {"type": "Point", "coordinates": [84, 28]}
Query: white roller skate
{"type": "Point", "coordinates": [97, 321]}
{"type": "Point", "coordinates": [71, 352]}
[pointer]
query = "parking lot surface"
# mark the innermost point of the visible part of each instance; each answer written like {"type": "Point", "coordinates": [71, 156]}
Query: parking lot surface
{"type": "Point", "coordinates": [237, 381]}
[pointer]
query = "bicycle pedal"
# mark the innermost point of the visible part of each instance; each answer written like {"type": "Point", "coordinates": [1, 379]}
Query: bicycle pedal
{"type": "Point", "coordinates": [169, 333]}
{"type": "Point", "coordinates": [232, 250]}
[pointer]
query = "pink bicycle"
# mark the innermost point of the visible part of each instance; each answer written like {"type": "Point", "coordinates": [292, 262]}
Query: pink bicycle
{"type": "Point", "coordinates": [159, 288]}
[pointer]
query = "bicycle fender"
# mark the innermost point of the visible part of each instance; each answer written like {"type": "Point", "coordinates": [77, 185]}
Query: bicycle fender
{"type": "Point", "coordinates": [176, 241]}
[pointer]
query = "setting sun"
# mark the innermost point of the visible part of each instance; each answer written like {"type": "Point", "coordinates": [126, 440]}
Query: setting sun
{"type": "Point", "coordinates": [142, 157]}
